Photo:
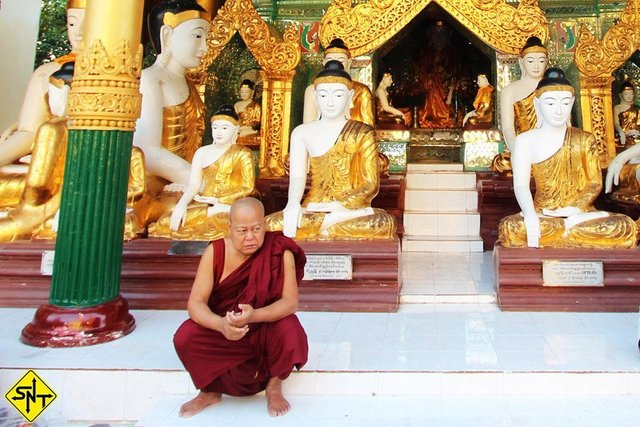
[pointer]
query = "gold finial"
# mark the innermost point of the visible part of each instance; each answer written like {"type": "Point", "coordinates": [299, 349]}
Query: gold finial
{"type": "Point", "coordinates": [76, 4]}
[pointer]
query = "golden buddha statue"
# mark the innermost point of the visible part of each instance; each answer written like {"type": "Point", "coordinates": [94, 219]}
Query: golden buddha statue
{"type": "Point", "coordinates": [362, 108]}
{"type": "Point", "coordinates": [34, 213]}
{"type": "Point", "coordinates": [221, 173]}
{"type": "Point", "coordinates": [249, 112]}
{"type": "Point", "coordinates": [517, 114]}
{"type": "Point", "coordinates": [626, 116]}
{"type": "Point", "coordinates": [564, 163]}
{"type": "Point", "coordinates": [385, 112]}
{"type": "Point", "coordinates": [342, 156]}
{"type": "Point", "coordinates": [18, 140]}
{"type": "Point", "coordinates": [482, 115]}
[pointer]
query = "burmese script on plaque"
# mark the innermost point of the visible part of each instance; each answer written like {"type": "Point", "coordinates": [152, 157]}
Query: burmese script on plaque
{"type": "Point", "coordinates": [46, 264]}
{"type": "Point", "coordinates": [328, 267]}
{"type": "Point", "coordinates": [572, 273]}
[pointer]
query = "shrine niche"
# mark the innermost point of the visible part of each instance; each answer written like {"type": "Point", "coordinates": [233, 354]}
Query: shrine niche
{"type": "Point", "coordinates": [597, 60]}
{"type": "Point", "coordinates": [277, 55]}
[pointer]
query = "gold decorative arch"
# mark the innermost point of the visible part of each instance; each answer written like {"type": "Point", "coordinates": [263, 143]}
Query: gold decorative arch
{"type": "Point", "coordinates": [597, 60]}
{"type": "Point", "coordinates": [278, 56]}
{"type": "Point", "coordinates": [368, 26]}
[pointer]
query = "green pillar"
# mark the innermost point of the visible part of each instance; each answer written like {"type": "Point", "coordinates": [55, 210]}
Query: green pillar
{"type": "Point", "coordinates": [85, 306]}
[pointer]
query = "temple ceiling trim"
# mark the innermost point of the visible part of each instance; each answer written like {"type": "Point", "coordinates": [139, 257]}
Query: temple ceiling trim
{"type": "Point", "coordinates": [278, 55]}
{"type": "Point", "coordinates": [368, 26]}
{"type": "Point", "coordinates": [598, 58]}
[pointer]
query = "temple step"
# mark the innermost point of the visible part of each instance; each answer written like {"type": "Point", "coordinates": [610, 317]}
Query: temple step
{"type": "Point", "coordinates": [441, 209]}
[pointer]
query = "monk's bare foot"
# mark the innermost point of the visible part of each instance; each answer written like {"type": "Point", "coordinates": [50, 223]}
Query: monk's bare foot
{"type": "Point", "coordinates": [198, 403]}
{"type": "Point", "coordinates": [277, 405]}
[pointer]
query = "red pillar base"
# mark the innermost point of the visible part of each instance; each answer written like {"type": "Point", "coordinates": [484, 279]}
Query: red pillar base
{"type": "Point", "coordinates": [54, 326]}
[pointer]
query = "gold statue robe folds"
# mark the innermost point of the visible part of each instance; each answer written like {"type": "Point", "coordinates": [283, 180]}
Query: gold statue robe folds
{"type": "Point", "coordinates": [363, 107]}
{"type": "Point", "coordinates": [347, 173]}
{"type": "Point", "coordinates": [630, 120]}
{"type": "Point", "coordinates": [628, 188]}
{"type": "Point", "coordinates": [250, 116]}
{"type": "Point", "coordinates": [229, 178]}
{"type": "Point", "coordinates": [183, 125]}
{"type": "Point", "coordinates": [524, 115]}
{"type": "Point", "coordinates": [571, 177]}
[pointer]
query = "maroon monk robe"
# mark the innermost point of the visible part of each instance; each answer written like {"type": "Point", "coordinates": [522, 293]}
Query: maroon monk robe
{"type": "Point", "coordinates": [269, 349]}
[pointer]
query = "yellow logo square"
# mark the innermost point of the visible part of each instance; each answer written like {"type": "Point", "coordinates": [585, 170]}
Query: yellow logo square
{"type": "Point", "coordinates": [30, 395]}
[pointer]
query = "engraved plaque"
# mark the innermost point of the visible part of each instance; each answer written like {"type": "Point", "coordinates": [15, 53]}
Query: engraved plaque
{"type": "Point", "coordinates": [328, 267]}
{"type": "Point", "coordinates": [572, 273]}
{"type": "Point", "coordinates": [46, 265]}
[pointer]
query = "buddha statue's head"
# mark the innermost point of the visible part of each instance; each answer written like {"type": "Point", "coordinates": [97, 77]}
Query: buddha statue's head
{"type": "Point", "coordinates": [59, 85]}
{"type": "Point", "coordinates": [178, 31]}
{"type": "Point", "coordinates": [334, 91]}
{"type": "Point", "coordinates": [225, 125]}
{"type": "Point", "coordinates": [439, 35]}
{"type": "Point", "coordinates": [247, 89]}
{"type": "Point", "coordinates": [627, 93]}
{"type": "Point", "coordinates": [553, 100]}
{"type": "Point", "coordinates": [483, 81]}
{"type": "Point", "coordinates": [387, 80]}
{"type": "Point", "coordinates": [338, 51]}
{"type": "Point", "coordinates": [533, 58]}
{"type": "Point", "coordinates": [75, 21]}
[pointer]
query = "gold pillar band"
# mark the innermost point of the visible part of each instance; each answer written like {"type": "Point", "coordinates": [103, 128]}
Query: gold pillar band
{"type": "Point", "coordinates": [175, 19]}
{"type": "Point", "coordinates": [533, 49]}
{"type": "Point", "coordinates": [557, 87]}
{"type": "Point", "coordinates": [76, 4]}
{"type": "Point", "coordinates": [333, 79]}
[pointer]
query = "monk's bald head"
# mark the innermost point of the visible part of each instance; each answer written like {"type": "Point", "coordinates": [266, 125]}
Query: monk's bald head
{"type": "Point", "coordinates": [246, 206]}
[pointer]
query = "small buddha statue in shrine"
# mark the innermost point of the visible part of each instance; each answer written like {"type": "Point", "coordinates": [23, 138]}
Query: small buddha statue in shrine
{"type": "Point", "coordinates": [626, 116]}
{"type": "Point", "coordinates": [342, 157]}
{"type": "Point", "coordinates": [17, 141]}
{"type": "Point", "coordinates": [482, 115]}
{"type": "Point", "coordinates": [387, 114]}
{"type": "Point", "coordinates": [564, 163]}
{"type": "Point", "coordinates": [249, 112]}
{"type": "Point", "coordinates": [362, 109]}
{"type": "Point", "coordinates": [221, 173]}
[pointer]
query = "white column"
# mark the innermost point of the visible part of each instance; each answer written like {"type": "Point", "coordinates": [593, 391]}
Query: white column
{"type": "Point", "coordinates": [19, 23]}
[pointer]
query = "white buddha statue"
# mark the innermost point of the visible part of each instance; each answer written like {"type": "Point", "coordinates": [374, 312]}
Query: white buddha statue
{"type": "Point", "coordinates": [342, 157]}
{"type": "Point", "coordinates": [17, 141]}
{"type": "Point", "coordinates": [171, 124]}
{"type": "Point", "coordinates": [564, 163]}
{"type": "Point", "coordinates": [221, 173]}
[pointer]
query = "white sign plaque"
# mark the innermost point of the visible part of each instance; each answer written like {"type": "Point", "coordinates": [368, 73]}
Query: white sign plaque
{"type": "Point", "coordinates": [572, 273]}
{"type": "Point", "coordinates": [328, 267]}
{"type": "Point", "coordinates": [46, 265]}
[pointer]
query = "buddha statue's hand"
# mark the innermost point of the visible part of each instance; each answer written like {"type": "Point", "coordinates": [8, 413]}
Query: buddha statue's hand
{"type": "Point", "coordinates": [178, 216]}
{"type": "Point", "coordinates": [291, 216]}
{"type": "Point", "coordinates": [205, 199]}
{"type": "Point", "coordinates": [174, 188]}
{"type": "Point", "coordinates": [613, 174]}
{"type": "Point", "coordinates": [562, 212]}
{"type": "Point", "coordinates": [633, 132]}
{"type": "Point", "coordinates": [532, 226]}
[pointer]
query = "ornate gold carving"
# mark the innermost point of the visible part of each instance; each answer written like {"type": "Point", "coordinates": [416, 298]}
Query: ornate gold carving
{"type": "Point", "coordinates": [596, 60]}
{"type": "Point", "coordinates": [105, 90]}
{"type": "Point", "coordinates": [367, 26]}
{"type": "Point", "coordinates": [601, 57]}
{"type": "Point", "coordinates": [278, 57]}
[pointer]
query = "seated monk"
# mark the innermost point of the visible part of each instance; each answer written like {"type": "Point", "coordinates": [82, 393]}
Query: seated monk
{"type": "Point", "coordinates": [626, 116]}
{"type": "Point", "coordinates": [362, 102]}
{"type": "Point", "coordinates": [221, 173]}
{"type": "Point", "coordinates": [343, 157]}
{"type": "Point", "coordinates": [249, 112]}
{"type": "Point", "coordinates": [385, 112]}
{"type": "Point", "coordinates": [243, 336]}
{"type": "Point", "coordinates": [517, 114]}
{"type": "Point", "coordinates": [482, 116]}
{"type": "Point", "coordinates": [564, 162]}
{"type": "Point", "coordinates": [34, 213]}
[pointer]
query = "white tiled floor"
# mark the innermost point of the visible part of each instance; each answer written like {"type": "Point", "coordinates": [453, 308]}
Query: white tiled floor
{"type": "Point", "coordinates": [452, 364]}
